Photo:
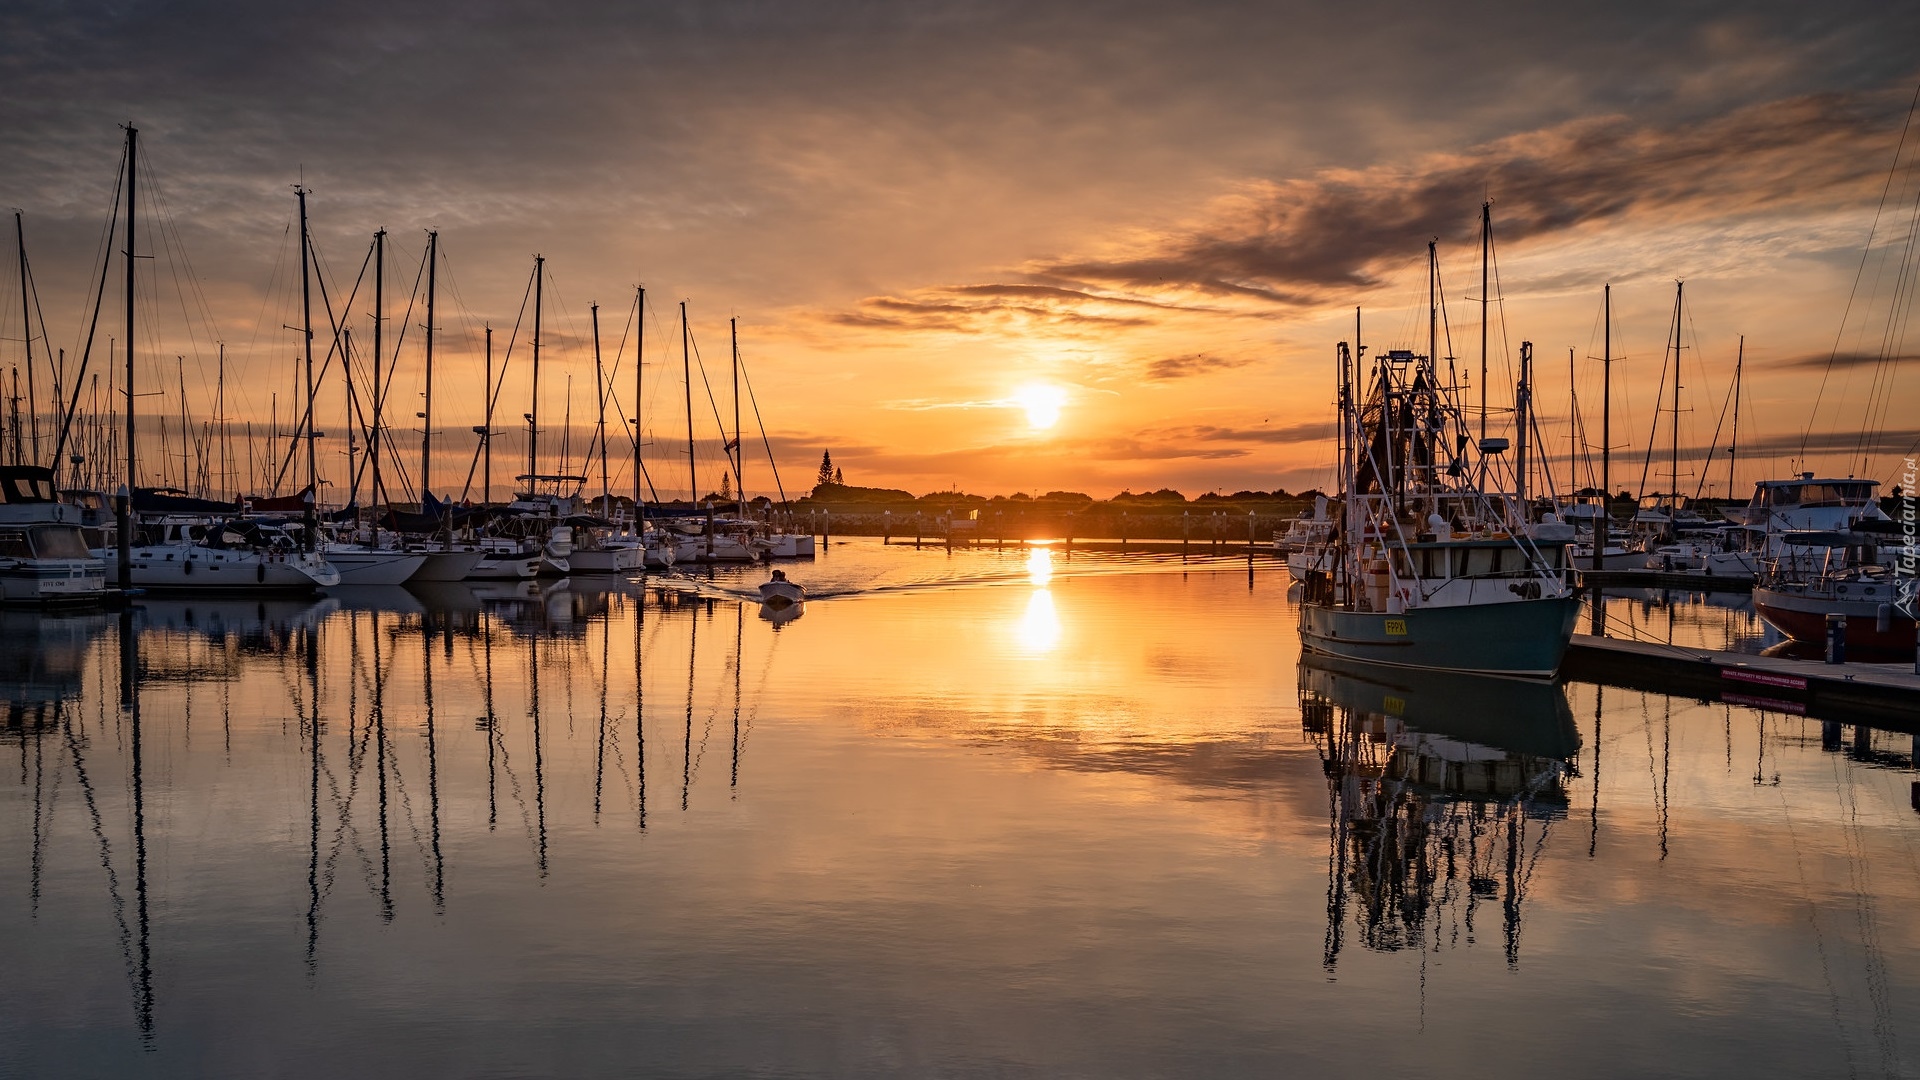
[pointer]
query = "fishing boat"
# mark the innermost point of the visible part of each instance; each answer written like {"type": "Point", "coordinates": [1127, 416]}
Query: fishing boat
{"type": "Point", "coordinates": [779, 592]}
{"type": "Point", "coordinates": [1435, 565]}
{"type": "Point", "coordinates": [43, 554]}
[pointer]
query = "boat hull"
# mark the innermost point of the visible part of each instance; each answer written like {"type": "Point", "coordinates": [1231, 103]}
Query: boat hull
{"type": "Point", "coordinates": [454, 565]}
{"type": "Point", "coordinates": [201, 569]}
{"type": "Point", "coordinates": [1521, 638]}
{"type": "Point", "coordinates": [781, 594]}
{"type": "Point", "coordinates": [53, 581]}
{"type": "Point", "coordinates": [1802, 616]}
{"type": "Point", "coordinates": [374, 567]}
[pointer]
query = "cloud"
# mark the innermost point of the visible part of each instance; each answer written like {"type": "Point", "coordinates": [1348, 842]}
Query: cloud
{"type": "Point", "coordinates": [1820, 361]}
{"type": "Point", "coordinates": [1183, 367]}
{"type": "Point", "coordinates": [981, 309]}
{"type": "Point", "coordinates": [1299, 241]}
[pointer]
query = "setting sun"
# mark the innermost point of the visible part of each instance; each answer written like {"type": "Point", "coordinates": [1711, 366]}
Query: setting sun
{"type": "Point", "coordinates": [1042, 403]}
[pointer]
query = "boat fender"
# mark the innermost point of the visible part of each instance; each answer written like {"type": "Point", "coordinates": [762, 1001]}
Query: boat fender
{"type": "Point", "coordinates": [260, 572]}
{"type": "Point", "coordinates": [188, 568]}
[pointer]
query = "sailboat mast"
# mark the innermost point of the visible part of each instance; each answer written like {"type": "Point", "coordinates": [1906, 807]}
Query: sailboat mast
{"type": "Point", "coordinates": [533, 418]}
{"type": "Point", "coordinates": [26, 332]}
{"type": "Point", "coordinates": [686, 371]}
{"type": "Point", "coordinates": [1573, 428]}
{"type": "Point", "coordinates": [125, 566]}
{"type": "Point", "coordinates": [353, 408]}
{"type": "Point", "coordinates": [1606, 429]}
{"type": "Point", "coordinates": [308, 538]}
{"type": "Point", "coordinates": [739, 449]}
{"type": "Point", "coordinates": [426, 416]}
{"type": "Point", "coordinates": [379, 312]}
{"type": "Point", "coordinates": [1733, 450]}
{"type": "Point", "coordinates": [1679, 291]}
{"type": "Point", "coordinates": [486, 430]}
{"type": "Point", "coordinates": [1486, 254]}
{"type": "Point", "coordinates": [600, 397]}
{"type": "Point", "coordinates": [640, 337]}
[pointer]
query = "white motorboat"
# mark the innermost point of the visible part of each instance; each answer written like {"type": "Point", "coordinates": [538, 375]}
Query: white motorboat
{"type": "Point", "coordinates": [43, 555]}
{"type": "Point", "coordinates": [779, 592]}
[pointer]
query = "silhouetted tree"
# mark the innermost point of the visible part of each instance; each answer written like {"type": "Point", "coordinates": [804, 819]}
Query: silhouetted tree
{"type": "Point", "coordinates": [839, 477]}
{"type": "Point", "coordinates": [826, 468]}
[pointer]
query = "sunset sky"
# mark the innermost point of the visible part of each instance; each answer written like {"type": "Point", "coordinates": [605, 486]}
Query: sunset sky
{"type": "Point", "coordinates": [1001, 246]}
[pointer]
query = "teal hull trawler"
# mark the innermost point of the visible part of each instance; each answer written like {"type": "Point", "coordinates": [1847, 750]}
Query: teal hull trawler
{"type": "Point", "coordinates": [1436, 562]}
{"type": "Point", "coordinates": [1525, 639]}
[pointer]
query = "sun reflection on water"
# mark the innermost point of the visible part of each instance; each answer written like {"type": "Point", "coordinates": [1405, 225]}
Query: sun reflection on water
{"type": "Point", "coordinates": [1040, 627]}
{"type": "Point", "coordinates": [1040, 566]}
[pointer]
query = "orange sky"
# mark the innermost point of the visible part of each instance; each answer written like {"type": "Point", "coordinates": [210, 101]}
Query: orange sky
{"type": "Point", "coordinates": [1164, 223]}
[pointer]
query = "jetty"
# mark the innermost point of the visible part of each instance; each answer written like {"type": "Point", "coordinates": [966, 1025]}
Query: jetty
{"type": "Point", "coordinates": [1886, 694]}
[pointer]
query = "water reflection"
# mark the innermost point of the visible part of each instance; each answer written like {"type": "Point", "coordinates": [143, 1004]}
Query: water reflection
{"type": "Point", "coordinates": [1442, 789]}
{"type": "Point", "coordinates": [495, 815]}
{"type": "Point", "coordinates": [1040, 625]}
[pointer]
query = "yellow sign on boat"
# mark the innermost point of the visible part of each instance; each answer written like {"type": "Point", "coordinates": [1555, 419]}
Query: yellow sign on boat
{"type": "Point", "coordinates": [1397, 627]}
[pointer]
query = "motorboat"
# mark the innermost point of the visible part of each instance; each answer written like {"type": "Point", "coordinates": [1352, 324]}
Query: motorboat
{"type": "Point", "coordinates": [779, 592]}
{"type": "Point", "coordinates": [43, 554]}
{"type": "Point", "coordinates": [1839, 573]}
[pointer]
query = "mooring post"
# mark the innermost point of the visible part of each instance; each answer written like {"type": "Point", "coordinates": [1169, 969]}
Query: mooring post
{"type": "Point", "coordinates": [826, 527]}
{"type": "Point", "coordinates": [1186, 523]}
{"type": "Point", "coordinates": [1252, 528]}
{"type": "Point", "coordinates": [886, 527]}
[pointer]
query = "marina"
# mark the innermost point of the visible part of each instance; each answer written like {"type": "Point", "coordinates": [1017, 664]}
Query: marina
{"type": "Point", "coordinates": [975, 540]}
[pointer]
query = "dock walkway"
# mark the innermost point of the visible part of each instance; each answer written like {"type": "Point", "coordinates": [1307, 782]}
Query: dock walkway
{"type": "Point", "coordinates": [1888, 694]}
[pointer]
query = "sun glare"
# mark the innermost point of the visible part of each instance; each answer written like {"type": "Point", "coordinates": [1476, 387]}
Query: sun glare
{"type": "Point", "coordinates": [1042, 403]}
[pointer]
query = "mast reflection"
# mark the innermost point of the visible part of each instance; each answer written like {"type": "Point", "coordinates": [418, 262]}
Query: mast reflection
{"type": "Point", "coordinates": [1441, 790]}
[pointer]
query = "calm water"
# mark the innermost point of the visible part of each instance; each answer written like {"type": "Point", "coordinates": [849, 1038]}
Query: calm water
{"type": "Point", "coordinates": [972, 814]}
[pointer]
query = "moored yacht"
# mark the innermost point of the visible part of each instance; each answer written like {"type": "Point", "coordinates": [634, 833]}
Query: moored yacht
{"type": "Point", "coordinates": [43, 554]}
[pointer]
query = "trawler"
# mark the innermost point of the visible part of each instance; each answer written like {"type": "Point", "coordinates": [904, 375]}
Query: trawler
{"type": "Point", "coordinates": [1435, 563]}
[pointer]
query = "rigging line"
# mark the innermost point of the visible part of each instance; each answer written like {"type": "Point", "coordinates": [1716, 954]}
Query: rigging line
{"type": "Point", "coordinates": [714, 402]}
{"type": "Point", "coordinates": [1646, 461]}
{"type": "Point", "coordinates": [764, 441]}
{"type": "Point", "coordinates": [326, 364]}
{"type": "Point", "coordinates": [1714, 446]}
{"type": "Point", "coordinates": [1893, 170]}
{"type": "Point", "coordinates": [1886, 366]}
{"type": "Point", "coordinates": [99, 295]}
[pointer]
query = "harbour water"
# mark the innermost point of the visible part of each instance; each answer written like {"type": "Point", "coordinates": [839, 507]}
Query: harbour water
{"type": "Point", "coordinates": [968, 813]}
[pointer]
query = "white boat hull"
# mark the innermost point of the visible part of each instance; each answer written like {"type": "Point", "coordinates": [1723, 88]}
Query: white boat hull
{"type": "Point", "coordinates": [374, 567]}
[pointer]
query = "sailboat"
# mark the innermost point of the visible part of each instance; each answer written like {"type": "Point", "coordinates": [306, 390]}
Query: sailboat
{"type": "Point", "coordinates": [1434, 566]}
{"type": "Point", "coordinates": [218, 552]}
{"type": "Point", "coordinates": [369, 563]}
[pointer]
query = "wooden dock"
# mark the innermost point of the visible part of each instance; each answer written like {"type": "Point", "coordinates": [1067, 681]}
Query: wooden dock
{"type": "Point", "coordinates": [1887, 695]}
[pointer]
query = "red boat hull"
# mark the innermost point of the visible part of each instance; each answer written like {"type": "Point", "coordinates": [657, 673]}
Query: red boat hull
{"type": "Point", "coordinates": [1804, 618]}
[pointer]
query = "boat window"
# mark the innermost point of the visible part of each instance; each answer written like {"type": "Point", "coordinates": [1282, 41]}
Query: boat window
{"type": "Point", "coordinates": [13, 544]}
{"type": "Point", "coordinates": [59, 542]}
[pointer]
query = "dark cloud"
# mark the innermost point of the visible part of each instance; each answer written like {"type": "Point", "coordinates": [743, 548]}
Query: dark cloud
{"type": "Point", "coordinates": [1843, 360]}
{"type": "Point", "coordinates": [997, 308]}
{"type": "Point", "coordinates": [1185, 367]}
{"type": "Point", "coordinates": [1296, 240]}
